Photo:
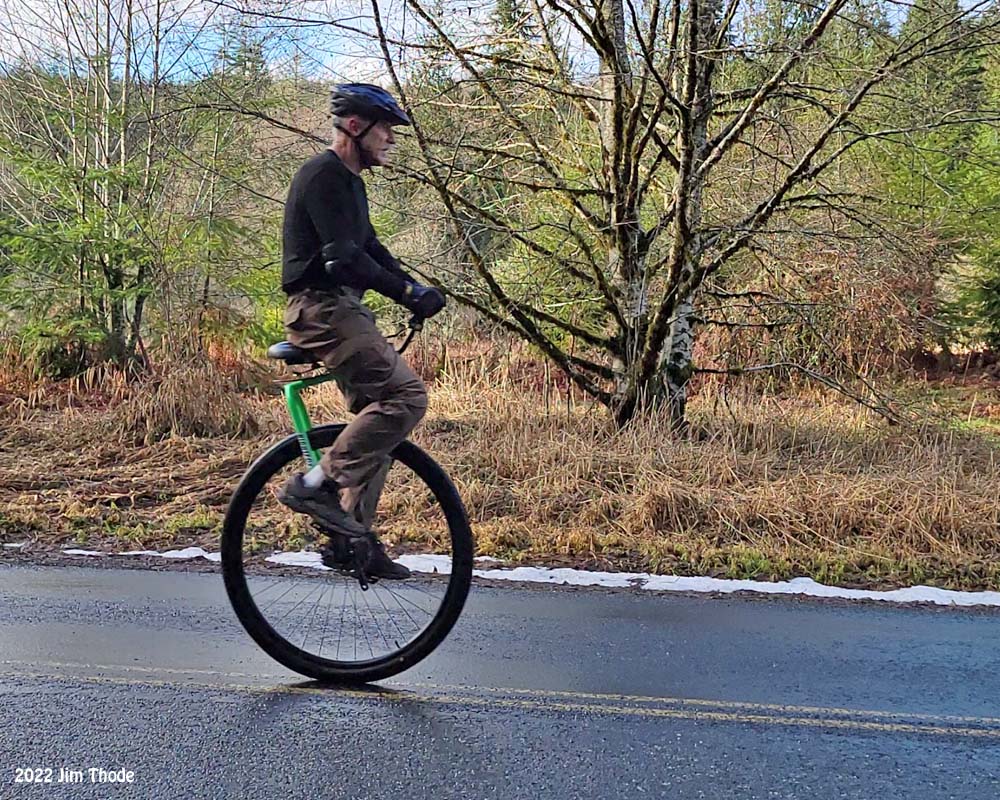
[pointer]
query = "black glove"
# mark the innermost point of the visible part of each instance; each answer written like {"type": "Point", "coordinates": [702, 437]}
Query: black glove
{"type": "Point", "coordinates": [349, 265]}
{"type": "Point", "coordinates": [338, 258]}
{"type": "Point", "coordinates": [424, 301]}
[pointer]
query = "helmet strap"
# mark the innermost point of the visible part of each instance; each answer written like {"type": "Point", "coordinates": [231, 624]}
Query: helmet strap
{"type": "Point", "coordinates": [364, 155]}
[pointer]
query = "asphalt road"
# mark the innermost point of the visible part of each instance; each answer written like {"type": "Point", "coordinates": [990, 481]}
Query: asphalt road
{"type": "Point", "coordinates": [538, 693]}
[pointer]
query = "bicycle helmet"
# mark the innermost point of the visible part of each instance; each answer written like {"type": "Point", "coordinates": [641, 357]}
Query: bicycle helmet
{"type": "Point", "coordinates": [366, 100]}
{"type": "Point", "coordinates": [371, 102]}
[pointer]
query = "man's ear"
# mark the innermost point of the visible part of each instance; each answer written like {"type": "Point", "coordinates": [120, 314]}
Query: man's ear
{"type": "Point", "coordinates": [356, 125]}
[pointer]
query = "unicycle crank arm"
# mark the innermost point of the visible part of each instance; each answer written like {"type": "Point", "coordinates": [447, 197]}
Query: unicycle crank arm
{"type": "Point", "coordinates": [354, 562]}
{"type": "Point", "coordinates": [360, 555]}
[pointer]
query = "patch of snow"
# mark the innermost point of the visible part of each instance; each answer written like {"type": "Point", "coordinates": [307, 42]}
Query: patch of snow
{"type": "Point", "coordinates": [810, 588]}
{"type": "Point", "coordinates": [186, 553]}
{"type": "Point", "coordinates": [487, 560]}
{"type": "Point", "coordinates": [300, 559]}
{"type": "Point", "coordinates": [441, 565]}
{"type": "Point", "coordinates": [432, 564]}
{"type": "Point", "coordinates": [675, 583]}
{"type": "Point", "coordinates": [562, 575]}
{"type": "Point", "coordinates": [191, 552]}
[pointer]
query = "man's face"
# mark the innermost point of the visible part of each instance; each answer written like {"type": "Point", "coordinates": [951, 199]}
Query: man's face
{"type": "Point", "coordinates": [379, 142]}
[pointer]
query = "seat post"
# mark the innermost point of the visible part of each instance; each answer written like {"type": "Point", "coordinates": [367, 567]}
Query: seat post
{"type": "Point", "coordinates": [300, 415]}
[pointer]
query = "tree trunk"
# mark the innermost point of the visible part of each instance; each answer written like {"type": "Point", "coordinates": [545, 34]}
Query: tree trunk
{"type": "Point", "coordinates": [667, 386]}
{"type": "Point", "coordinates": [627, 250]}
{"type": "Point", "coordinates": [676, 364]}
{"type": "Point", "coordinates": [114, 349]}
{"type": "Point", "coordinates": [135, 346]}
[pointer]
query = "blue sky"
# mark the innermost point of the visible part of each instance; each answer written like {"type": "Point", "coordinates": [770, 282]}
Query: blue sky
{"type": "Point", "coordinates": [326, 40]}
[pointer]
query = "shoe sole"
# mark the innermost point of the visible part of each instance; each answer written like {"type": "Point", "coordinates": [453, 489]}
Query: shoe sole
{"type": "Point", "coordinates": [346, 568]}
{"type": "Point", "coordinates": [388, 577]}
{"type": "Point", "coordinates": [317, 511]}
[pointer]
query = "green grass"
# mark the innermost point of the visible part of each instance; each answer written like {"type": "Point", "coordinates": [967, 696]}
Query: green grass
{"type": "Point", "coordinates": [201, 518]}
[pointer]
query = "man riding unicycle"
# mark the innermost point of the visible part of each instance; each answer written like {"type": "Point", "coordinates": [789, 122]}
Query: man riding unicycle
{"type": "Point", "coordinates": [331, 256]}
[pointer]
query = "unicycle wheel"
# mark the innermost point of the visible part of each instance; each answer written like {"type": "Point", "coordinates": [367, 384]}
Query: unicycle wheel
{"type": "Point", "coordinates": [319, 621]}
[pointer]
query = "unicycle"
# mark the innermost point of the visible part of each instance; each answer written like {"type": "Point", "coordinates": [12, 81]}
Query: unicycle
{"type": "Point", "coordinates": [337, 625]}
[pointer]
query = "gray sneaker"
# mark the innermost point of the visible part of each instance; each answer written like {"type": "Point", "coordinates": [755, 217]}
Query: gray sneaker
{"type": "Point", "coordinates": [338, 553]}
{"type": "Point", "coordinates": [380, 565]}
{"type": "Point", "coordinates": [322, 503]}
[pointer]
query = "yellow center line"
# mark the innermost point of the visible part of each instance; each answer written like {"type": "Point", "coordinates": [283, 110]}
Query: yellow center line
{"type": "Point", "coordinates": [131, 668]}
{"type": "Point", "coordinates": [728, 704]}
{"type": "Point", "coordinates": [732, 705]}
{"type": "Point", "coordinates": [465, 696]}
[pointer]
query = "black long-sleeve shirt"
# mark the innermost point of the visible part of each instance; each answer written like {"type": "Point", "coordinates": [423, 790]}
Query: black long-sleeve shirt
{"type": "Point", "coordinates": [327, 205]}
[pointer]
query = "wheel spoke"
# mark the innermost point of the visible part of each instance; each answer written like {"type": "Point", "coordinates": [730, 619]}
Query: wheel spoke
{"type": "Point", "coordinates": [402, 608]}
{"type": "Point", "coordinates": [279, 597]}
{"type": "Point", "coordinates": [312, 619]}
{"type": "Point", "coordinates": [374, 616]}
{"type": "Point", "coordinates": [402, 597]}
{"type": "Point", "coordinates": [304, 597]}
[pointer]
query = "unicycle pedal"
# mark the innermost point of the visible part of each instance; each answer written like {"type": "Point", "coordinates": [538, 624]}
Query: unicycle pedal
{"type": "Point", "coordinates": [347, 556]}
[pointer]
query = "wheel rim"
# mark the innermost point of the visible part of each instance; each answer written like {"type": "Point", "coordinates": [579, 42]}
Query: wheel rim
{"type": "Point", "coordinates": [320, 621]}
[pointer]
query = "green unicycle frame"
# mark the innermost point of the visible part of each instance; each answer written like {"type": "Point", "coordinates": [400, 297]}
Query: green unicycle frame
{"type": "Point", "coordinates": [297, 410]}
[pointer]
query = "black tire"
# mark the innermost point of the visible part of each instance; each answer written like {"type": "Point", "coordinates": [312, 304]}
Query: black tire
{"type": "Point", "coordinates": [297, 659]}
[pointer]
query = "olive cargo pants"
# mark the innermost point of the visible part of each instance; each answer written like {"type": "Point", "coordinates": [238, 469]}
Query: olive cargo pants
{"type": "Point", "coordinates": [386, 396]}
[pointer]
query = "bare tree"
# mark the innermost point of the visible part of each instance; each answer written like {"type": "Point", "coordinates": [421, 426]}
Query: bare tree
{"type": "Point", "coordinates": [84, 83]}
{"type": "Point", "coordinates": [665, 143]}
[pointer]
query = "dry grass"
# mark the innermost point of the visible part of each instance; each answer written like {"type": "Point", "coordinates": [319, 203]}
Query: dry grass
{"type": "Point", "coordinates": [766, 487]}
{"type": "Point", "coordinates": [195, 400]}
{"type": "Point", "coordinates": [209, 394]}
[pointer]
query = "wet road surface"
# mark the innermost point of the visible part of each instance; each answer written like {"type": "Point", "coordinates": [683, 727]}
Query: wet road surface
{"type": "Point", "coordinates": [537, 693]}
